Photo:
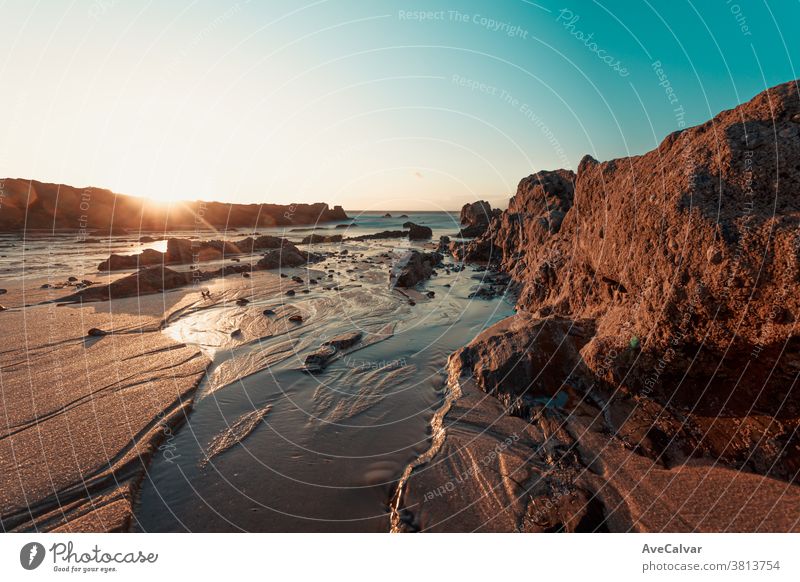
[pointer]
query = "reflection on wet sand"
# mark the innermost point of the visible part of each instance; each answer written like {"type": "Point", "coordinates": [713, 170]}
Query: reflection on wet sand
{"type": "Point", "coordinates": [271, 446]}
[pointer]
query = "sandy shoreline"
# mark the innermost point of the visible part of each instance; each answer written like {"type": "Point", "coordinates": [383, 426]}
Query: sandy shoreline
{"type": "Point", "coordinates": [86, 416]}
{"type": "Point", "coordinates": [80, 427]}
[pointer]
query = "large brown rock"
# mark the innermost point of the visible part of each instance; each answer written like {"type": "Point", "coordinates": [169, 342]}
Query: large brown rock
{"type": "Point", "coordinates": [413, 267]}
{"type": "Point", "coordinates": [656, 342]}
{"type": "Point", "coordinates": [477, 214]}
{"type": "Point", "coordinates": [144, 282]}
{"type": "Point", "coordinates": [476, 218]}
{"type": "Point", "coordinates": [146, 258]}
{"type": "Point", "coordinates": [286, 257]}
{"type": "Point", "coordinates": [418, 232]}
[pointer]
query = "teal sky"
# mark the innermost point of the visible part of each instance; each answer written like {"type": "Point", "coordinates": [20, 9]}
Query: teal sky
{"type": "Point", "coordinates": [361, 103]}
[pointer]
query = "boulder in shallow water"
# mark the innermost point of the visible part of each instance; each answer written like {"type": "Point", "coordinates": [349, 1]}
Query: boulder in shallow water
{"type": "Point", "coordinates": [287, 256]}
{"type": "Point", "coordinates": [147, 257]}
{"type": "Point", "coordinates": [345, 340]}
{"type": "Point", "coordinates": [318, 360]}
{"type": "Point", "coordinates": [413, 267]}
{"type": "Point", "coordinates": [417, 232]}
{"type": "Point", "coordinates": [321, 357]}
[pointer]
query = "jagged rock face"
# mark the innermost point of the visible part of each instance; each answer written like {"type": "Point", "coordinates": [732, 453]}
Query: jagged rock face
{"type": "Point", "coordinates": [534, 215]}
{"type": "Point", "coordinates": [694, 243]}
{"type": "Point", "coordinates": [476, 214]}
{"type": "Point", "coordinates": [476, 218]}
{"type": "Point", "coordinates": [680, 268]}
{"type": "Point", "coordinates": [502, 362]}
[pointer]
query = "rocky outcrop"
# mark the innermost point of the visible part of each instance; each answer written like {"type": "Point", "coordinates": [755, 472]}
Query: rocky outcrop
{"type": "Point", "coordinates": [648, 382]}
{"type": "Point", "coordinates": [159, 278]}
{"type": "Point", "coordinates": [476, 213]}
{"type": "Point", "coordinates": [181, 251]}
{"type": "Point", "coordinates": [28, 204]}
{"type": "Point", "coordinates": [413, 267]}
{"type": "Point", "coordinates": [148, 257]}
{"type": "Point", "coordinates": [316, 239]}
{"type": "Point", "coordinates": [418, 232]}
{"type": "Point", "coordinates": [144, 282]}
{"type": "Point", "coordinates": [476, 217]}
{"type": "Point", "coordinates": [384, 234]}
{"type": "Point", "coordinates": [286, 257]}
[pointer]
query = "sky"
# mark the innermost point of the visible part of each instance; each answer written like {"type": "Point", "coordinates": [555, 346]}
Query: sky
{"type": "Point", "coordinates": [408, 105]}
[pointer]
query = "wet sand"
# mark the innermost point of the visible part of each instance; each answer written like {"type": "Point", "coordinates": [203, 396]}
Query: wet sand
{"type": "Point", "coordinates": [96, 435]}
{"type": "Point", "coordinates": [81, 416]}
{"type": "Point", "coordinates": [327, 451]}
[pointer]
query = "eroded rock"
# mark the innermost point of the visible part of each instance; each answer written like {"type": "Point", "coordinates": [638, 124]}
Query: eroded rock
{"type": "Point", "coordinates": [413, 267]}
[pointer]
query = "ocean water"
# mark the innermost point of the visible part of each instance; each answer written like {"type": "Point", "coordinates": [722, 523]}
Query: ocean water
{"type": "Point", "coordinates": [59, 255]}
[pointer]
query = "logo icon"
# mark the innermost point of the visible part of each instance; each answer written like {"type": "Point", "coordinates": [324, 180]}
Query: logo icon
{"type": "Point", "coordinates": [31, 555]}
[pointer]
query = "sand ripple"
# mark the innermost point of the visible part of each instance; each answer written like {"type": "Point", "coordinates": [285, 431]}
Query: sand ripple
{"type": "Point", "coordinates": [235, 433]}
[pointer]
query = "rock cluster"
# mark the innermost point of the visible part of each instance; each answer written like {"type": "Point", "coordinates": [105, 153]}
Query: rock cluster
{"type": "Point", "coordinates": [182, 251]}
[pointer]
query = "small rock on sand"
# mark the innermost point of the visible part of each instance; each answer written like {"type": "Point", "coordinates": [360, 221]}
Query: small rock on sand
{"type": "Point", "coordinates": [96, 332]}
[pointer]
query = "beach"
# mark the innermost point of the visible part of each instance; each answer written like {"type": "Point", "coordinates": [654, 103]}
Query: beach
{"type": "Point", "coordinates": [193, 410]}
